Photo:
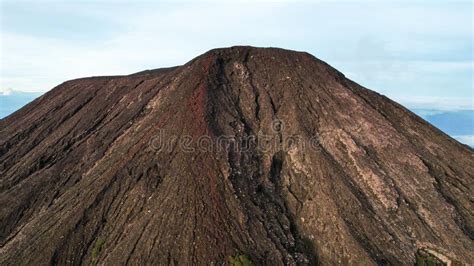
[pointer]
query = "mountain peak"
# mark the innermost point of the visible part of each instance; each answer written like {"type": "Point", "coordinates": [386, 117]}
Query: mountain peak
{"type": "Point", "coordinates": [244, 53]}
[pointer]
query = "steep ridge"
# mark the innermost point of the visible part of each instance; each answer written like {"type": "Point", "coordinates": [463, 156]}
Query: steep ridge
{"type": "Point", "coordinates": [264, 153]}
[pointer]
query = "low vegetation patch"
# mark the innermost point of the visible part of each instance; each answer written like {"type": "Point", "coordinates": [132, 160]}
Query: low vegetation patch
{"type": "Point", "coordinates": [98, 246]}
{"type": "Point", "coordinates": [241, 260]}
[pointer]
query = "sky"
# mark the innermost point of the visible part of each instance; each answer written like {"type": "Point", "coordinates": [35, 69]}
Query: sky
{"type": "Point", "coordinates": [419, 53]}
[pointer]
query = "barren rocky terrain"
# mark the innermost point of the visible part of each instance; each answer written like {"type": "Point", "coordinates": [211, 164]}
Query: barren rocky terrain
{"type": "Point", "coordinates": [266, 156]}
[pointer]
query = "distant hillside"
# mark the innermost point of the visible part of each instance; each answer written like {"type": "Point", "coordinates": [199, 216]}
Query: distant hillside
{"type": "Point", "coordinates": [14, 100]}
{"type": "Point", "coordinates": [458, 124]}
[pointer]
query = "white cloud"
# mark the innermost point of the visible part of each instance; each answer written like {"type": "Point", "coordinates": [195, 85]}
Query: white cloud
{"type": "Point", "coordinates": [466, 139]}
{"type": "Point", "coordinates": [5, 92]}
{"type": "Point", "coordinates": [437, 103]}
{"type": "Point", "coordinates": [146, 40]}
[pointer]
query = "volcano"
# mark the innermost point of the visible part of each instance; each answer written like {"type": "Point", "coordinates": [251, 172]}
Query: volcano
{"type": "Point", "coordinates": [241, 156]}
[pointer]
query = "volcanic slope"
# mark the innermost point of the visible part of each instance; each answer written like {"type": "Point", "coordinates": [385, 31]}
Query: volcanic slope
{"type": "Point", "coordinates": [256, 154]}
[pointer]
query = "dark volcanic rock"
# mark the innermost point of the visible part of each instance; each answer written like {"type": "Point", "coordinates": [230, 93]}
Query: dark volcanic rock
{"type": "Point", "coordinates": [265, 153]}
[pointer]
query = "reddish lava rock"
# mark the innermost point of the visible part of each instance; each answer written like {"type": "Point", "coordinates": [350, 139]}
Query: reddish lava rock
{"type": "Point", "coordinates": [254, 154]}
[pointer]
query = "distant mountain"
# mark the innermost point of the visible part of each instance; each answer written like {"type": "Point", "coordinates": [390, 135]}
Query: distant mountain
{"type": "Point", "coordinates": [243, 155]}
{"type": "Point", "coordinates": [459, 124]}
{"type": "Point", "coordinates": [14, 100]}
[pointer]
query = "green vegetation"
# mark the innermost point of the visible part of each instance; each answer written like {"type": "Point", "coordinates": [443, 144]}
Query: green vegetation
{"type": "Point", "coordinates": [426, 260]}
{"type": "Point", "coordinates": [99, 245]}
{"type": "Point", "coordinates": [241, 260]}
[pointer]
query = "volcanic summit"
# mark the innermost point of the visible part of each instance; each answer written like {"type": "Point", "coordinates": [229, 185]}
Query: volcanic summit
{"type": "Point", "coordinates": [243, 155]}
